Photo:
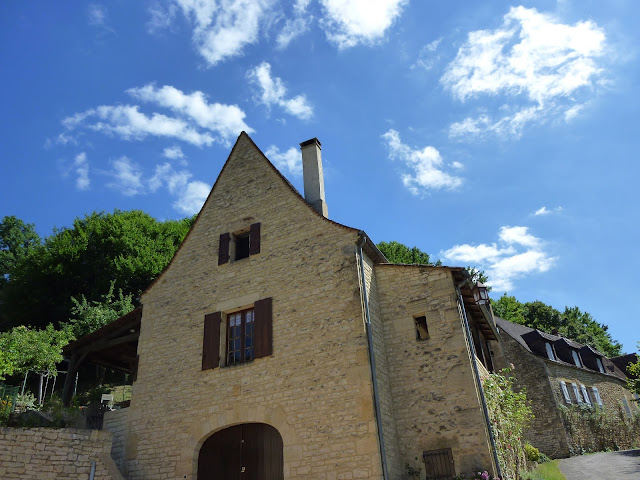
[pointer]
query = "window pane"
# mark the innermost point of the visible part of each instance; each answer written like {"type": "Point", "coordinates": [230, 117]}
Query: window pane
{"type": "Point", "coordinates": [549, 351]}
{"type": "Point", "coordinates": [576, 359]}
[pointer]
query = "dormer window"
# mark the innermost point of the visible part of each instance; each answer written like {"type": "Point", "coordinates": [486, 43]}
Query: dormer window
{"type": "Point", "coordinates": [600, 366]}
{"type": "Point", "coordinates": [576, 358]}
{"type": "Point", "coordinates": [550, 353]}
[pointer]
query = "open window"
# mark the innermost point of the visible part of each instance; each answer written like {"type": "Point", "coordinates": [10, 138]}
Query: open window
{"type": "Point", "coordinates": [422, 331]}
{"type": "Point", "coordinates": [239, 245]}
{"type": "Point", "coordinates": [239, 335]}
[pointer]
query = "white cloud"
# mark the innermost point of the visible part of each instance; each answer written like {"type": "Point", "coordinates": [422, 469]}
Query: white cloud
{"type": "Point", "coordinates": [160, 17]}
{"type": "Point", "coordinates": [192, 198]}
{"type": "Point", "coordinates": [174, 152]}
{"type": "Point", "coordinates": [532, 58]}
{"type": "Point", "coordinates": [293, 27]}
{"type": "Point", "coordinates": [427, 58]}
{"type": "Point", "coordinates": [517, 254]}
{"type": "Point", "coordinates": [425, 167]}
{"type": "Point", "coordinates": [290, 161]}
{"type": "Point", "coordinates": [127, 177]}
{"type": "Point", "coordinates": [545, 211]}
{"type": "Point", "coordinates": [98, 16]}
{"type": "Point", "coordinates": [273, 92]}
{"type": "Point", "coordinates": [222, 29]}
{"type": "Point", "coordinates": [226, 120]}
{"type": "Point", "coordinates": [197, 122]}
{"type": "Point", "coordinates": [81, 165]}
{"type": "Point", "coordinates": [350, 22]}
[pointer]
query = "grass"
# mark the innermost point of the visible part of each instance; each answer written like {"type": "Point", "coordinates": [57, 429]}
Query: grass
{"type": "Point", "coordinates": [546, 471]}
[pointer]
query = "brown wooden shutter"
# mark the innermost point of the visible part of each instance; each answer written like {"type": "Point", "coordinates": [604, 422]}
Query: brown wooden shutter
{"type": "Point", "coordinates": [264, 329]}
{"type": "Point", "coordinates": [254, 239]}
{"type": "Point", "coordinates": [211, 341]}
{"type": "Point", "coordinates": [223, 252]}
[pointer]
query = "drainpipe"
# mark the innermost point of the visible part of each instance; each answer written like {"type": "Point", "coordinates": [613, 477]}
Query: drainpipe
{"type": "Point", "coordinates": [478, 380]}
{"type": "Point", "coordinates": [92, 473]}
{"type": "Point", "coordinates": [372, 358]}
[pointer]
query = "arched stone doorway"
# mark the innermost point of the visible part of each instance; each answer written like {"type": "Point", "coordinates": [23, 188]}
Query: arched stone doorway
{"type": "Point", "coordinates": [250, 451]}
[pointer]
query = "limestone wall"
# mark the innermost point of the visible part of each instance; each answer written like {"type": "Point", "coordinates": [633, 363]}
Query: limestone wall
{"type": "Point", "coordinates": [435, 399]}
{"type": "Point", "coordinates": [116, 422]}
{"type": "Point", "coordinates": [546, 431]}
{"type": "Point", "coordinates": [315, 389]}
{"type": "Point", "coordinates": [48, 454]}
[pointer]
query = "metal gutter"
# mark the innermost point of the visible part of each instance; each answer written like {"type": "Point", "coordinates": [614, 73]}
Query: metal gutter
{"type": "Point", "coordinates": [372, 359]}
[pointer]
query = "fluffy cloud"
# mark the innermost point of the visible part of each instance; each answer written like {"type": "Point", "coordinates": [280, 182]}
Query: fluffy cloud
{"type": "Point", "coordinates": [424, 168]}
{"type": "Point", "coordinates": [273, 92]}
{"type": "Point", "coordinates": [296, 26]}
{"type": "Point", "coordinates": [427, 57]}
{"type": "Point", "coordinates": [532, 58]}
{"type": "Point", "coordinates": [192, 198]}
{"type": "Point", "coordinates": [190, 195]}
{"type": "Point", "coordinates": [160, 17]}
{"type": "Point", "coordinates": [517, 254]}
{"type": "Point", "coordinates": [222, 29]}
{"type": "Point", "coordinates": [81, 166]}
{"type": "Point", "coordinates": [173, 153]}
{"type": "Point", "coordinates": [289, 161]}
{"type": "Point", "coordinates": [197, 121]}
{"type": "Point", "coordinates": [126, 177]}
{"type": "Point", "coordinates": [350, 22]}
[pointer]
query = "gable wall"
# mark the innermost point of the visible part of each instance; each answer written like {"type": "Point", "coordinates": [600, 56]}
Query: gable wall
{"type": "Point", "coordinates": [315, 388]}
{"type": "Point", "coordinates": [435, 399]}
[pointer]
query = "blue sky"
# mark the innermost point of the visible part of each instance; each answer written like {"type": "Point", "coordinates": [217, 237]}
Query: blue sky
{"type": "Point", "coordinates": [496, 134]}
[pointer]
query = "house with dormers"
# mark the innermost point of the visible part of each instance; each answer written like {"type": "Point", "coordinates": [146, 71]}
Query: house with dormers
{"type": "Point", "coordinates": [280, 344]}
{"type": "Point", "coordinates": [557, 371]}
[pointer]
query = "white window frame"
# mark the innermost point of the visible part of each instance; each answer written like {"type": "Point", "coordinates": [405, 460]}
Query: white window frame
{"type": "Point", "coordinates": [550, 353]}
{"type": "Point", "coordinates": [585, 394]}
{"type": "Point", "coordinates": [596, 396]}
{"type": "Point", "coordinates": [565, 391]}
{"type": "Point", "coordinates": [576, 358]}
{"type": "Point", "coordinates": [576, 392]}
{"type": "Point", "coordinates": [600, 364]}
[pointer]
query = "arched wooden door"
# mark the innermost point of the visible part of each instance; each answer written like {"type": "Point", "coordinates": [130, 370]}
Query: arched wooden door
{"type": "Point", "coordinates": [251, 451]}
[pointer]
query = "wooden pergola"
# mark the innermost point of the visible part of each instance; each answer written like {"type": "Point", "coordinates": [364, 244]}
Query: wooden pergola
{"type": "Point", "coordinates": [113, 346]}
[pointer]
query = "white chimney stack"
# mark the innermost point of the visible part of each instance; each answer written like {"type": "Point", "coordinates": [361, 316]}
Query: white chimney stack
{"type": "Point", "coordinates": [313, 177]}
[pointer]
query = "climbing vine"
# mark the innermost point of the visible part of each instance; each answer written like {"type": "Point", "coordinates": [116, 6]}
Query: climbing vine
{"type": "Point", "coordinates": [510, 414]}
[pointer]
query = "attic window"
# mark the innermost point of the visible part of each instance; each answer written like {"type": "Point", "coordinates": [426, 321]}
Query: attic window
{"type": "Point", "coordinates": [550, 353]}
{"type": "Point", "coordinates": [576, 358]}
{"type": "Point", "coordinates": [242, 245]}
{"type": "Point", "coordinates": [422, 332]}
{"type": "Point", "coordinates": [600, 366]}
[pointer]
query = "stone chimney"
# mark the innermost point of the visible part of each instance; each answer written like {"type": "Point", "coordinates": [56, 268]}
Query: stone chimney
{"type": "Point", "coordinates": [313, 177]}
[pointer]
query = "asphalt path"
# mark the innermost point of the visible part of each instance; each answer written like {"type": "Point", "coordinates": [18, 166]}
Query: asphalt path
{"type": "Point", "coordinates": [623, 465]}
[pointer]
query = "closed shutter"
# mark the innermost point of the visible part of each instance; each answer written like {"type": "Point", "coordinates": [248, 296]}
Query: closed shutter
{"type": "Point", "coordinates": [211, 341]}
{"type": "Point", "coordinates": [585, 394]}
{"type": "Point", "coordinates": [565, 391]}
{"type": "Point", "coordinates": [254, 239]}
{"type": "Point", "coordinates": [223, 251]}
{"type": "Point", "coordinates": [576, 393]}
{"type": "Point", "coordinates": [263, 337]}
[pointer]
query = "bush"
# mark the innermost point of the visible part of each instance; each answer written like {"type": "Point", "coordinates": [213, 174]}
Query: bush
{"type": "Point", "coordinates": [532, 453]}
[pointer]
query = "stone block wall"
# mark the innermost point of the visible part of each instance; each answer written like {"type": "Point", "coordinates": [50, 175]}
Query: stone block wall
{"type": "Point", "coordinates": [546, 432]}
{"type": "Point", "coordinates": [51, 454]}
{"type": "Point", "coordinates": [435, 398]}
{"type": "Point", "coordinates": [115, 422]}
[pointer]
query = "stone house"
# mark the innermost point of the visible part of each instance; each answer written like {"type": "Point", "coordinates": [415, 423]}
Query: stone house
{"type": "Point", "coordinates": [557, 372]}
{"type": "Point", "coordinates": [281, 344]}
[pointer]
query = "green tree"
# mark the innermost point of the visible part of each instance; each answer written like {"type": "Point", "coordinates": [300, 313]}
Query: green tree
{"type": "Point", "coordinates": [509, 308]}
{"type": "Point", "coordinates": [397, 252]}
{"type": "Point", "coordinates": [130, 248]}
{"type": "Point", "coordinates": [16, 240]}
{"type": "Point", "coordinates": [40, 350]}
{"type": "Point", "coordinates": [633, 369]}
{"type": "Point", "coordinates": [89, 316]}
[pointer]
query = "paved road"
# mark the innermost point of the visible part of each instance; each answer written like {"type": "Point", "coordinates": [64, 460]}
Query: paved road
{"type": "Point", "coordinates": [602, 466]}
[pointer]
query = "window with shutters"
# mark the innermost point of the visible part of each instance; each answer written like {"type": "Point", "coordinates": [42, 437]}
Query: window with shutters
{"type": "Point", "coordinates": [576, 392]}
{"type": "Point", "coordinates": [565, 391]}
{"type": "Point", "coordinates": [596, 396]}
{"type": "Point", "coordinates": [585, 395]}
{"type": "Point", "coordinates": [238, 336]}
{"type": "Point", "coordinates": [239, 245]}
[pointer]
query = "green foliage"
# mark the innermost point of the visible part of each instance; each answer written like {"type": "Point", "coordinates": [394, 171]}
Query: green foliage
{"type": "Point", "coordinates": [572, 323]}
{"type": "Point", "coordinates": [24, 348]}
{"type": "Point", "coordinates": [26, 401]}
{"type": "Point", "coordinates": [510, 414]}
{"type": "Point", "coordinates": [532, 453]}
{"type": "Point", "coordinates": [600, 429]}
{"type": "Point", "coordinates": [129, 248]}
{"type": "Point", "coordinates": [478, 276]}
{"type": "Point", "coordinates": [399, 253]}
{"type": "Point", "coordinates": [16, 240]}
{"type": "Point", "coordinates": [89, 316]}
{"type": "Point", "coordinates": [546, 471]}
{"type": "Point", "coordinates": [633, 369]}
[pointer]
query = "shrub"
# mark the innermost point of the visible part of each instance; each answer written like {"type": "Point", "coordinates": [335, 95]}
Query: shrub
{"type": "Point", "coordinates": [532, 453]}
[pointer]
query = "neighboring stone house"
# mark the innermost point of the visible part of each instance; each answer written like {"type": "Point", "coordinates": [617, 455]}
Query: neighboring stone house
{"type": "Point", "coordinates": [281, 344]}
{"type": "Point", "coordinates": [557, 371]}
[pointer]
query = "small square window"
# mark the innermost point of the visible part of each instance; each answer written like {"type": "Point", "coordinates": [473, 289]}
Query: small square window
{"type": "Point", "coordinates": [242, 245]}
{"type": "Point", "coordinates": [422, 332]}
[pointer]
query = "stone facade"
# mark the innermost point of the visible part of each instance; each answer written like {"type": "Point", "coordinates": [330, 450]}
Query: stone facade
{"type": "Point", "coordinates": [48, 454]}
{"type": "Point", "coordinates": [316, 388]}
{"type": "Point", "coordinates": [542, 379]}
